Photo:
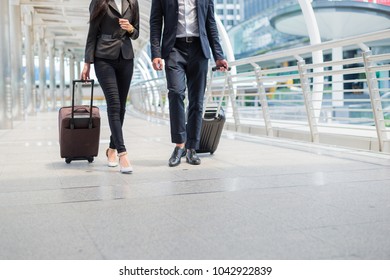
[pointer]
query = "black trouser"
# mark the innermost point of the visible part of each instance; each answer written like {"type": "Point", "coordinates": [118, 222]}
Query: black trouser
{"type": "Point", "coordinates": [114, 77]}
{"type": "Point", "coordinates": [186, 64]}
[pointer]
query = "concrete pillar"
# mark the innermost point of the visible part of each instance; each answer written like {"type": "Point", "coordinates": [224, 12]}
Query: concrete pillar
{"type": "Point", "coordinates": [17, 83]}
{"type": "Point", "coordinates": [71, 72]}
{"type": "Point", "coordinates": [5, 64]}
{"type": "Point", "coordinates": [42, 71]}
{"type": "Point", "coordinates": [79, 93]}
{"type": "Point", "coordinates": [62, 75]}
{"type": "Point", "coordinates": [29, 90]}
{"type": "Point", "coordinates": [52, 76]}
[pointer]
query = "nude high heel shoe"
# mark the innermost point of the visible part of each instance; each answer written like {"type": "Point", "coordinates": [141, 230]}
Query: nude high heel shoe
{"type": "Point", "coordinates": [111, 163]}
{"type": "Point", "coordinates": [124, 169]}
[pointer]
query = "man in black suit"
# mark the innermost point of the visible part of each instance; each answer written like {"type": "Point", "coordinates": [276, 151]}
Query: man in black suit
{"type": "Point", "coordinates": [189, 32]}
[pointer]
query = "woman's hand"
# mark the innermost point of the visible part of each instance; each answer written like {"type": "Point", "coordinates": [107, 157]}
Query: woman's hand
{"type": "Point", "coordinates": [125, 25]}
{"type": "Point", "coordinates": [85, 72]}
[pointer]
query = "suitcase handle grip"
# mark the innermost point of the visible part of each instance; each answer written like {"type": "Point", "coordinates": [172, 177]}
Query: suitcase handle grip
{"type": "Point", "coordinates": [92, 82]}
{"type": "Point", "coordinates": [84, 109]}
{"type": "Point", "coordinates": [216, 68]}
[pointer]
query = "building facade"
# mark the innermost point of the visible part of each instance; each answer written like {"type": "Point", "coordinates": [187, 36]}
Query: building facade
{"type": "Point", "coordinates": [252, 8]}
{"type": "Point", "coordinates": [232, 12]}
{"type": "Point", "coordinates": [229, 12]}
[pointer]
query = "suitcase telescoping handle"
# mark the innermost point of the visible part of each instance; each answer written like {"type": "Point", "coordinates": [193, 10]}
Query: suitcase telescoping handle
{"type": "Point", "coordinates": [208, 92]}
{"type": "Point", "coordinates": [92, 82]}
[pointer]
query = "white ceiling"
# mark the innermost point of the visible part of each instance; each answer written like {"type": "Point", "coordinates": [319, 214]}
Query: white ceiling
{"type": "Point", "coordinates": [66, 22]}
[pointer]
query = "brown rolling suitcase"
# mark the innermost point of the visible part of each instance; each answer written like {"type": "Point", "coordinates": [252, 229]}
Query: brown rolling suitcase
{"type": "Point", "coordinates": [212, 122]}
{"type": "Point", "coordinates": [79, 129]}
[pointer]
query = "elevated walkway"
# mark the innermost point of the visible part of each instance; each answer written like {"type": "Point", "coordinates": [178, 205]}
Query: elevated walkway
{"type": "Point", "coordinates": [255, 198]}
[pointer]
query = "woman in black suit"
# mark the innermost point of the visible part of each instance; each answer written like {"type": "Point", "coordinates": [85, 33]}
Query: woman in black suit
{"type": "Point", "coordinates": [112, 26]}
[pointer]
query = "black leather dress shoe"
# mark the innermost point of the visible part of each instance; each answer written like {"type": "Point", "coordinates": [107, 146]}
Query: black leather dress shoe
{"type": "Point", "coordinates": [192, 157]}
{"type": "Point", "coordinates": [176, 156]}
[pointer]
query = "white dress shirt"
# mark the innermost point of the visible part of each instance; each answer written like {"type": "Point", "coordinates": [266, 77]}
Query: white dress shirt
{"type": "Point", "coordinates": [119, 5]}
{"type": "Point", "coordinates": [188, 19]}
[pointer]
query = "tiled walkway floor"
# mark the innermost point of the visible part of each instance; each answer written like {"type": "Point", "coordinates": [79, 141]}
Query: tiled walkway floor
{"type": "Point", "coordinates": [255, 198]}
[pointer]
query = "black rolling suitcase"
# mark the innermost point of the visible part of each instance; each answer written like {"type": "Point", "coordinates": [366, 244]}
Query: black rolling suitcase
{"type": "Point", "coordinates": [212, 122]}
{"type": "Point", "coordinates": [79, 129]}
{"type": "Point", "coordinates": [212, 126]}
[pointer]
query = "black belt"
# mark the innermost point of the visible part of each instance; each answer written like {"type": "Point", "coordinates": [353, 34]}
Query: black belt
{"type": "Point", "coordinates": [188, 40]}
{"type": "Point", "coordinates": [108, 36]}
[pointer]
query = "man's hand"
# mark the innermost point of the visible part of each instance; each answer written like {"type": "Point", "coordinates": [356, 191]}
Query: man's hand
{"type": "Point", "coordinates": [157, 64]}
{"type": "Point", "coordinates": [222, 65]}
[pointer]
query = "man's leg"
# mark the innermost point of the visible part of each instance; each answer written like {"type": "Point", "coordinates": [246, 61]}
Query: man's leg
{"type": "Point", "coordinates": [196, 84]}
{"type": "Point", "coordinates": [175, 74]}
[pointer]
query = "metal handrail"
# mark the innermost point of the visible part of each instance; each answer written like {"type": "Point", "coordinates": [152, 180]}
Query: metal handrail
{"type": "Point", "coordinates": [276, 99]}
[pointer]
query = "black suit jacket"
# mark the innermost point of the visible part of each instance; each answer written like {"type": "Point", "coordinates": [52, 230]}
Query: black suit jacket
{"type": "Point", "coordinates": [165, 13]}
{"type": "Point", "coordinates": [105, 37]}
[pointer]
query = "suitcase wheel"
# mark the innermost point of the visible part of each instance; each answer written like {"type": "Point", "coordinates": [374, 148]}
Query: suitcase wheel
{"type": "Point", "coordinates": [69, 160]}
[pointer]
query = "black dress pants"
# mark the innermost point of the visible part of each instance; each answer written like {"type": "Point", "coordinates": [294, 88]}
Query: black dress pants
{"type": "Point", "coordinates": [186, 66]}
{"type": "Point", "coordinates": [114, 77]}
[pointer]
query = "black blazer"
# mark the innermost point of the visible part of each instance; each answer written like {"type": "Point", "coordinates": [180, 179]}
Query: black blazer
{"type": "Point", "coordinates": [105, 37]}
{"type": "Point", "coordinates": [165, 13]}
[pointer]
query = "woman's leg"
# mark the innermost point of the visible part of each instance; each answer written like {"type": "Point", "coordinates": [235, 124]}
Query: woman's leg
{"type": "Point", "coordinates": [124, 75]}
{"type": "Point", "coordinates": [106, 73]}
